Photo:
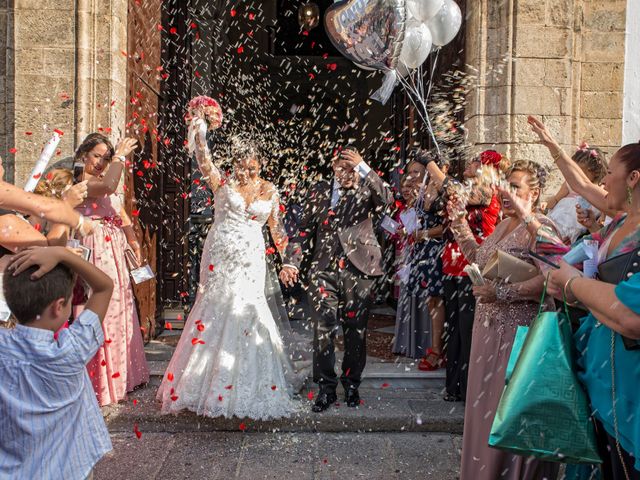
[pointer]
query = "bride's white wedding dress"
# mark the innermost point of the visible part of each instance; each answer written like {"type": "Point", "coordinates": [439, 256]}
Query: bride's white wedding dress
{"type": "Point", "coordinates": [230, 359]}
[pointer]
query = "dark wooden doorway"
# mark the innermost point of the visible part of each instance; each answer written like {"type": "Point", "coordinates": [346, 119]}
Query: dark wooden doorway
{"type": "Point", "coordinates": [157, 182]}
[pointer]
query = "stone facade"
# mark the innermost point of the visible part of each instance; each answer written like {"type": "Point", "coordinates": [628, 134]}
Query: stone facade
{"type": "Point", "coordinates": [562, 60]}
{"type": "Point", "coordinates": [65, 68]}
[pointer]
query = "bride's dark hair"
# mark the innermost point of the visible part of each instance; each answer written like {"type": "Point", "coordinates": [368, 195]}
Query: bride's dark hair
{"type": "Point", "coordinates": [243, 148]}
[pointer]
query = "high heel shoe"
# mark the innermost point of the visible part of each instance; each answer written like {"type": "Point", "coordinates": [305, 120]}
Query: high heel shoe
{"type": "Point", "coordinates": [428, 366]}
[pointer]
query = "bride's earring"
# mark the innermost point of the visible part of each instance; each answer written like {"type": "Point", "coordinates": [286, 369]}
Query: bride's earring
{"type": "Point", "coordinates": [629, 195]}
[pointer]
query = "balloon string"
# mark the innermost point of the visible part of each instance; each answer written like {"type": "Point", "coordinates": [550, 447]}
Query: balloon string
{"type": "Point", "coordinates": [421, 108]}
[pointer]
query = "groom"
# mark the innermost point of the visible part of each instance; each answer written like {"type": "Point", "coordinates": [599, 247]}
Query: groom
{"type": "Point", "coordinates": [345, 260]}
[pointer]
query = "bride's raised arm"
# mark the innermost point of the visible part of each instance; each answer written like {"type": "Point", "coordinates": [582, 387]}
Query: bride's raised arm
{"type": "Point", "coordinates": [210, 173]}
{"type": "Point", "coordinates": [276, 224]}
{"type": "Point", "coordinates": [203, 114]}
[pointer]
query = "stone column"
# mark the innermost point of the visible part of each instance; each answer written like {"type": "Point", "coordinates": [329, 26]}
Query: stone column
{"type": "Point", "coordinates": [561, 60]}
{"type": "Point", "coordinates": [6, 88]}
{"type": "Point", "coordinates": [70, 74]}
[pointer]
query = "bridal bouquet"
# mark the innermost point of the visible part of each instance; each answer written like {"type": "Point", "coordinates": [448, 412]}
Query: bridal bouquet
{"type": "Point", "coordinates": [203, 114]}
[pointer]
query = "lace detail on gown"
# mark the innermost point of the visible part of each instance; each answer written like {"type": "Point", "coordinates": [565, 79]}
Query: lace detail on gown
{"type": "Point", "coordinates": [230, 359]}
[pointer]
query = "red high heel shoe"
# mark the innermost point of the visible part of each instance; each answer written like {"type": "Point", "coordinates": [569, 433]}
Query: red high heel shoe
{"type": "Point", "coordinates": [427, 366]}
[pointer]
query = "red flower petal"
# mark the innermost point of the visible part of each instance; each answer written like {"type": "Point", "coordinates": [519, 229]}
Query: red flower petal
{"type": "Point", "coordinates": [116, 375]}
{"type": "Point", "coordinates": [200, 328]}
{"type": "Point", "coordinates": [168, 325]}
{"type": "Point", "coordinates": [136, 431]}
{"type": "Point", "coordinates": [228, 387]}
{"type": "Point", "coordinates": [384, 385]}
{"type": "Point", "coordinates": [170, 376]}
{"type": "Point", "coordinates": [211, 268]}
{"type": "Point", "coordinates": [174, 398]}
{"type": "Point", "coordinates": [310, 395]}
{"type": "Point", "coordinates": [274, 388]}
{"type": "Point", "coordinates": [242, 427]}
{"type": "Point", "coordinates": [219, 398]}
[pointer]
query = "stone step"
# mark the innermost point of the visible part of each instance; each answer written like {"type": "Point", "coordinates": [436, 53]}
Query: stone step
{"type": "Point", "coordinates": [387, 408]}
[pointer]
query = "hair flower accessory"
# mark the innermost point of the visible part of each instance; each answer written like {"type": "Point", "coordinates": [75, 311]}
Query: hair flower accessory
{"type": "Point", "coordinates": [584, 146]}
{"type": "Point", "coordinates": [490, 157]}
{"type": "Point", "coordinates": [594, 153]}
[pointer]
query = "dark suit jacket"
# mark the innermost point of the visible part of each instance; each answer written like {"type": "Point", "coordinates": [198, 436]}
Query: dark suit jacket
{"type": "Point", "coordinates": [348, 228]}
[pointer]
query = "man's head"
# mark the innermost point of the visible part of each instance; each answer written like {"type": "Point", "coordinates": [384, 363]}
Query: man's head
{"type": "Point", "coordinates": [43, 303]}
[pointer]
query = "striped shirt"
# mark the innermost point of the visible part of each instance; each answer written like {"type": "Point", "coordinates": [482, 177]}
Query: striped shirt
{"type": "Point", "coordinates": [50, 424]}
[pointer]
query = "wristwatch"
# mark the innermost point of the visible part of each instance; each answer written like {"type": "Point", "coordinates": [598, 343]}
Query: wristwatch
{"type": "Point", "coordinates": [122, 158]}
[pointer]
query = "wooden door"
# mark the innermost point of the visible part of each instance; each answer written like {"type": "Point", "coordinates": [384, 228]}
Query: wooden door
{"type": "Point", "coordinates": [144, 79]}
{"type": "Point", "coordinates": [174, 161]}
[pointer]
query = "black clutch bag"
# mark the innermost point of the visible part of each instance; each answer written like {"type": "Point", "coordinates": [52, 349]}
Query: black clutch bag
{"type": "Point", "coordinates": [616, 270]}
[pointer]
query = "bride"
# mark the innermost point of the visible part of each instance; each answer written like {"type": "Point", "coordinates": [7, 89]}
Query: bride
{"type": "Point", "coordinates": [230, 359]}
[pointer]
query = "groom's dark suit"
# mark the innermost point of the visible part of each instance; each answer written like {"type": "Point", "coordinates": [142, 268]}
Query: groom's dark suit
{"type": "Point", "coordinates": [345, 259]}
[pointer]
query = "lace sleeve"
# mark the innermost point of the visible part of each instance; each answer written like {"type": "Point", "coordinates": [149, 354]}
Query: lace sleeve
{"type": "Point", "coordinates": [276, 224]}
{"type": "Point", "coordinates": [466, 240]}
{"type": "Point", "coordinates": [518, 292]}
{"type": "Point", "coordinates": [198, 143]}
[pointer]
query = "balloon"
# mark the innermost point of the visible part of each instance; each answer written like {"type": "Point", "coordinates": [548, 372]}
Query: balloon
{"type": "Point", "coordinates": [446, 24]}
{"type": "Point", "coordinates": [367, 32]}
{"type": "Point", "coordinates": [424, 10]}
{"type": "Point", "coordinates": [417, 44]}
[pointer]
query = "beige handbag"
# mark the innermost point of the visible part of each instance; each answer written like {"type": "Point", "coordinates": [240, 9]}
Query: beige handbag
{"type": "Point", "coordinates": [505, 267]}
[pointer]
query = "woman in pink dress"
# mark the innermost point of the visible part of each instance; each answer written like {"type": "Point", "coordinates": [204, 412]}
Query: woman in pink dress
{"type": "Point", "coordinates": [120, 364]}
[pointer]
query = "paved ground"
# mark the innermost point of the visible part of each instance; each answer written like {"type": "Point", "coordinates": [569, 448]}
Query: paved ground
{"type": "Point", "coordinates": [403, 430]}
{"type": "Point", "coordinates": [295, 456]}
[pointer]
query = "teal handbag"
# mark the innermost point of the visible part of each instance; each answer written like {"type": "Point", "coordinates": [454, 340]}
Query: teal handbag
{"type": "Point", "coordinates": [543, 411]}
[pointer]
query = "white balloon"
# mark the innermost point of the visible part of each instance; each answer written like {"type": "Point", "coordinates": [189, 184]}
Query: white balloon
{"type": "Point", "coordinates": [424, 10]}
{"type": "Point", "coordinates": [416, 46]}
{"type": "Point", "coordinates": [446, 24]}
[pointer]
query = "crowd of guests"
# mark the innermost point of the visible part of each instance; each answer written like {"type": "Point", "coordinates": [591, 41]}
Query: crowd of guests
{"type": "Point", "coordinates": [446, 321]}
{"type": "Point", "coordinates": [443, 225]}
{"type": "Point", "coordinates": [69, 315]}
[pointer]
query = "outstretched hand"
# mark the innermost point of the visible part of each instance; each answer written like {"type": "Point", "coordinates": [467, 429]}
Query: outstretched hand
{"type": "Point", "coordinates": [126, 146]}
{"type": "Point", "coordinates": [76, 194]}
{"type": "Point", "coordinates": [541, 130]}
{"type": "Point", "coordinates": [520, 206]}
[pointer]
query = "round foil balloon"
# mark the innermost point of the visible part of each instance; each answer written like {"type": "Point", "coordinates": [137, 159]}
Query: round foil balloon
{"type": "Point", "coordinates": [417, 44]}
{"type": "Point", "coordinates": [446, 24]}
{"type": "Point", "coordinates": [424, 10]}
{"type": "Point", "coordinates": [368, 32]}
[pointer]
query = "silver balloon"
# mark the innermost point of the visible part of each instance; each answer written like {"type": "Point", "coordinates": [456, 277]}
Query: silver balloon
{"type": "Point", "coordinates": [446, 24]}
{"type": "Point", "coordinates": [368, 32]}
{"type": "Point", "coordinates": [417, 44]}
{"type": "Point", "coordinates": [424, 10]}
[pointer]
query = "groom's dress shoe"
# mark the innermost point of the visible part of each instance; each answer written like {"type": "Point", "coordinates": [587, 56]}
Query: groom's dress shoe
{"type": "Point", "coordinates": [352, 397]}
{"type": "Point", "coordinates": [323, 402]}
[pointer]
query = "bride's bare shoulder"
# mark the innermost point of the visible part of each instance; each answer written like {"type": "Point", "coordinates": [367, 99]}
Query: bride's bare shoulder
{"type": "Point", "coordinates": [267, 188]}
